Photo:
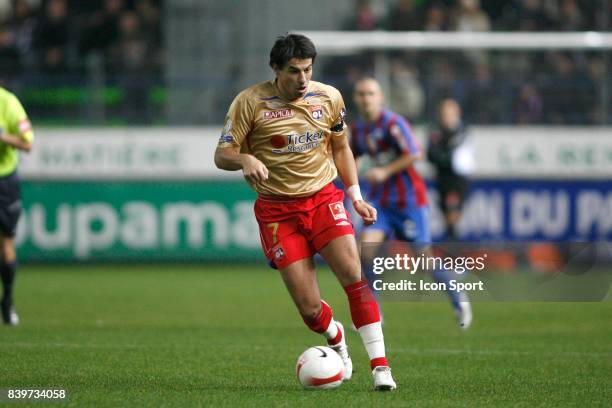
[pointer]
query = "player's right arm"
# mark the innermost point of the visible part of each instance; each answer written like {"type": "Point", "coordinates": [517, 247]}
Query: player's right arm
{"type": "Point", "coordinates": [230, 158]}
{"type": "Point", "coordinates": [238, 125]}
{"type": "Point", "coordinates": [16, 141]}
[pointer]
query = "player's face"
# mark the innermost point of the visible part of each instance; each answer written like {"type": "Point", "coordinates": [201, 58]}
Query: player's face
{"type": "Point", "coordinates": [292, 79]}
{"type": "Point", "coordinates": [368, 98]}
{"type": "Point", "coordinates": [450, 114]}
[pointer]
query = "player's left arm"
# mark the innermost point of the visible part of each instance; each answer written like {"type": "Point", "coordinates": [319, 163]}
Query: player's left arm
{"type": "Point", "coordinates": [347, 170]}
{"type": "Point", "coordinates": [19, 133]}
{"type": "Point", "coordinates": [344, 159]}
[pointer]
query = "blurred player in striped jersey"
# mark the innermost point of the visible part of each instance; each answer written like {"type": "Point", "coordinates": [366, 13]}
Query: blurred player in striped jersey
{"type": "Point", "coordinates": [15, 134]}
{"type": "Point", "coordinates": [386, 141]}
{"type": "Point", "coordinates": [289, 138]}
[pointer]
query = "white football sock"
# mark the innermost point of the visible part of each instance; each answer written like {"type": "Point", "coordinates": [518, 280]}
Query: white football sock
{"type": "Point", "coordinates": [332, 330]}
{"type": "Point", "coordinates": [373, 339]}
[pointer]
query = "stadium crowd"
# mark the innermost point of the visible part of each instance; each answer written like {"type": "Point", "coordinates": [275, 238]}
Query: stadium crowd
{"type": "Point", "coordinates": [476, 15]}
{"type": "Point", "coordinates": [50, 44]}
{"type": "Point", "coordinates": [493, 87]}
{"type": "Point", "coordinates": [55, 37]}
{"type": "Point", "coordinates": [60, 43]}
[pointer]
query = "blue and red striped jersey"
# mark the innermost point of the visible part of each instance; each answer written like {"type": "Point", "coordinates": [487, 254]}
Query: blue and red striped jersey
{"type": "Point", "coordinates": [383, 141]}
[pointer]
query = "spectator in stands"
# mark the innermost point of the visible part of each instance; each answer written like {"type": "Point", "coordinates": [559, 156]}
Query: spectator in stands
{"type": "Point", "coordinates": [102, 29]}
{"type": "Point", "coordinates": [496, 10]}
{"type": "Point", "coordinates": [24, 25]}
{"type": "Point", "coordinates": [469, 17]}
{"type": "Point", "coordinates": [10, 62]}
{"type": "Point", "coordinates": [528, 105]}
{"type": "Point", "coordinates": [570, 16]}
{"type": "Point", "coordinates": [527, 15]}
{"type": "Point", "coordinates": [436, 19]}
{"type": "Point", "coordinates": [131, 52]}
{"type": "Point", "coordinates": [596, 75]}
{"type": "Point", "coordinates": [52, 37]}
{"type": "Point", "coordinates": [347, 70]}
{"type": "Point", "coordinates": [600, 17]}
{"type": "Point", "coordinates": [440, 79]}
{"type": "Point", "coordinates": [365, 18]}
{"type": "Point", "coordinates": [149, 16]}
{"type": "Point", "coordinates": [130, 58]}
{"type": "Point", "coordinates": [5, 11]}
{"type": "Point", "coordinates": [406, 95]}
{"type": "Point", "coordinates": [483, 97]}
{"type": "Point", "coordinates": [405, 16]}
{"type": "Point", "coordinates": [566, 99]}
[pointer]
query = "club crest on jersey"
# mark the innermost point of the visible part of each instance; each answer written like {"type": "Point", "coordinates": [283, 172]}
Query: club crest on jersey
{"type": "Point", "coordinates": [316, 111]}
{"type": "Point", "coordinates": [337, 210]}
{"type": "Point", "coordinates": [277, 114]}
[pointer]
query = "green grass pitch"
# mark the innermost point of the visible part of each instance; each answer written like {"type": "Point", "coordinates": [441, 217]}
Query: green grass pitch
{"type": "Point", "coordinates": [229, 336]}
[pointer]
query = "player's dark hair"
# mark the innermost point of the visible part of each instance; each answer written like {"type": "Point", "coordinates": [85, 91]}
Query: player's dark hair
{"type": "Point", "coordinates": [291, 46]}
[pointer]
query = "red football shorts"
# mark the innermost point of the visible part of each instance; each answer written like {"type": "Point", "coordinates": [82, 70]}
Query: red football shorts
{"type": "Point", "coordinates": [295, 228]}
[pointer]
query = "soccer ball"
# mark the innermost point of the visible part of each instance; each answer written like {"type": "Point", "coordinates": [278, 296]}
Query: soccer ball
{"type": "Point", "coordinates": [320, 368]}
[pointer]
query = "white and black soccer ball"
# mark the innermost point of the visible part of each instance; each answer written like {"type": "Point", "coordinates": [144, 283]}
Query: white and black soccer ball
{"type": "Point", "coordinates": [320, 368]}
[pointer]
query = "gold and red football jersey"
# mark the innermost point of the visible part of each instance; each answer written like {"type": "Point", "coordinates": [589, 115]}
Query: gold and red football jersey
{"type": "Point", "coordinates": [292, 139]}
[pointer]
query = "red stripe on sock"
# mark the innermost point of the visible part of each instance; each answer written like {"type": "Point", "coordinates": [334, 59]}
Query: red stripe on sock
{"type": "Point", "coordinates": [379, 362]}
{"type": "Point", "coordinates": [364, 309]}
{"type": "Point", "coordinates": [337, 339]}
{"type": "Point", "coordinates": [320, 322]}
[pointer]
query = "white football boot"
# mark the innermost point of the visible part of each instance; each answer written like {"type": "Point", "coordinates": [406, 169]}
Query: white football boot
{"type": "Point", "coordinates": [464, 313]}
{"type": "Point", "coordinates": [342, 350]}
{"type": "Point", "coordinates": [14, 321]}
{"type": "Point", "coordinates": [9, 315]}
{"type": "Point", "coordinates": [383, 381]}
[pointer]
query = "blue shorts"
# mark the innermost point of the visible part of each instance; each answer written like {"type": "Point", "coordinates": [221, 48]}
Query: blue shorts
{"type": "Point", "coordinates": [409, 224]}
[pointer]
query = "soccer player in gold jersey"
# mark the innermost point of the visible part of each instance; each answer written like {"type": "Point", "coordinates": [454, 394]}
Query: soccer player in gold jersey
{"type": "Point", "coordinates": [289, 138]}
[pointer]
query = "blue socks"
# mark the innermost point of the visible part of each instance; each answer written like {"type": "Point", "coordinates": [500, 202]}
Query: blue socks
{"type": "Point", "coordinates": [444, 276]}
